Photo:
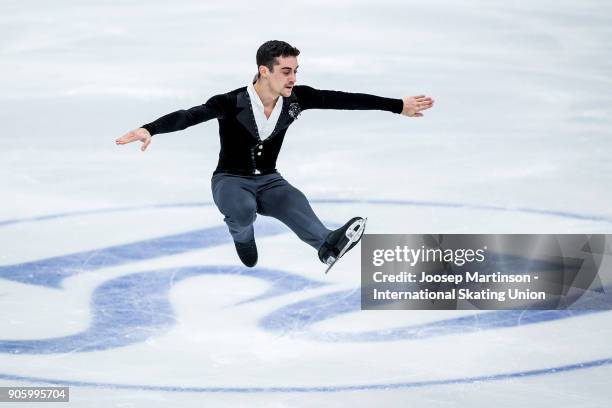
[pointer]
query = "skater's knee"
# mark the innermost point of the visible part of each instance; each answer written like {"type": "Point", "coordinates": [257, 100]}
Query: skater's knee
{"type": "Point", "coordinates": [241, 215]}
{"type": "Point", "coordinates": [245, 219]}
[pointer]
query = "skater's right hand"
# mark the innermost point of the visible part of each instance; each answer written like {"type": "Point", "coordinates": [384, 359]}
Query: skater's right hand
{"type": "Point", "coordinates": [141, 134]}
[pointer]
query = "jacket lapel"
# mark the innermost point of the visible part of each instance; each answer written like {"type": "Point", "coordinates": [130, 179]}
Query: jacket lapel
{"type": "Point", "coordinates": [245, 115]}
{"type": "Point", "coordinates": [284, 119]}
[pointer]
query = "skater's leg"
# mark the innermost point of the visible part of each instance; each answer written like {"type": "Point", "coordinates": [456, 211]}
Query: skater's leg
{"type": "Point", "coordinates": [279, 199]}
{"type": "Point", "coordinates": [235, 198]}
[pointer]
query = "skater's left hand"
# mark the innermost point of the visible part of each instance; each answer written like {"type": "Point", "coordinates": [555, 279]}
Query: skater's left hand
{"type": "Point", "coordinates": [413, 105]}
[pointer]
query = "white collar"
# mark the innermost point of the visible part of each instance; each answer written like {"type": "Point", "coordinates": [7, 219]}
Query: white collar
{"type": "Point", "coordinates": [255, 97]}
{"type": "Point", "coordinates": [265, 126]}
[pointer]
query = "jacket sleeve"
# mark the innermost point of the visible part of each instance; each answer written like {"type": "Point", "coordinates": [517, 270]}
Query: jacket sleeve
{"type": "Point", "coordinates": [310, 98]}
{"type": "Point", "coordinates": [184, 118]}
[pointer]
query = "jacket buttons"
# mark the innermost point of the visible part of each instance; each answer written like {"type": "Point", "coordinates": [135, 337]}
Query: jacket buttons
{"type": "Point", "coordinates": [260, 147]}
{"type": "Point", "coordinates": [259, 153]}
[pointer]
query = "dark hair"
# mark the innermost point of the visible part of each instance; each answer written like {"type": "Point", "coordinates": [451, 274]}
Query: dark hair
{"type": "Point", "coordinates": [268, 51]}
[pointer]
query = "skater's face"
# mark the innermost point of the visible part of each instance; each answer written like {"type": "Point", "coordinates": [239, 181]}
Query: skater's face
{"type": "Point", "coordinates": [283, 77]}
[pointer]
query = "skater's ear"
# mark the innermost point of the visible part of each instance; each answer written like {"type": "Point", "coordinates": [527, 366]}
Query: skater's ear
{"type": "Point", "coordinates": [264, 72]}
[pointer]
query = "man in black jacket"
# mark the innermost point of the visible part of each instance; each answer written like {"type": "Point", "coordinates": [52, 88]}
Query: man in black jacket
{"type": "Point", "coordinates": [253, 121]}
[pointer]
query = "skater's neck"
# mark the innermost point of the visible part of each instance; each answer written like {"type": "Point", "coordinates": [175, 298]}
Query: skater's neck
{"type": "Point", "coordinates": [266, 94]}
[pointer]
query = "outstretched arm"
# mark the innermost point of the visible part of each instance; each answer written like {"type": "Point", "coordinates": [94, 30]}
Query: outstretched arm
{"type": "Point", "coordinates": [310, 98]}
{"type": "Point", "coordinates": [174, 121]}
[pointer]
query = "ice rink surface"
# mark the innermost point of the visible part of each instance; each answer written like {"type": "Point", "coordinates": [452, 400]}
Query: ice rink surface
{"type": "Point", "coordinates": [118, 277]}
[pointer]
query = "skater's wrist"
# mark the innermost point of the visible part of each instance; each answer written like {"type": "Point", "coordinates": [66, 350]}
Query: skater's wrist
{"type": "Point", "coordinates": [398, 106]}
{"type": "Point", "coordinates": [149, 129]}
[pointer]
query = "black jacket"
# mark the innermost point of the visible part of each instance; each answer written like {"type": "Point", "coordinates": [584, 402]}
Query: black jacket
{"type": "Point", "coordinates": [242, 150]}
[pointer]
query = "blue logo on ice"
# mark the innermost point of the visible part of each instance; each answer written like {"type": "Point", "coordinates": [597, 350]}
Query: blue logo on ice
{"type": "Point", "coordinates": [132, 308]}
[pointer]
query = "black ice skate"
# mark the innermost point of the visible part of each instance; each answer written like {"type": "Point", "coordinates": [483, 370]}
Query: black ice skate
{"type": "Point", "coordinates": [247, 251]}
{"type": "Point", "coordinates": [340, 241]}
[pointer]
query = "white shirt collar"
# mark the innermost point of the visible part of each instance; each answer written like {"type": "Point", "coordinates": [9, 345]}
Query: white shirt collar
{"type": "Point", "coordinates": [265, 126]}
{"type": "Point", "coordinates": [255, 96]}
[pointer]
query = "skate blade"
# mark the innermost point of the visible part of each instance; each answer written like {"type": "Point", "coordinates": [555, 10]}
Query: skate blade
{"type": "Point", "coordinates": [353, 233]}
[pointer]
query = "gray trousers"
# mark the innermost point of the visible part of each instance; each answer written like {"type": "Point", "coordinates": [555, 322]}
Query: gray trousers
{"type": "Point", "coordinates": [241, 198]}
